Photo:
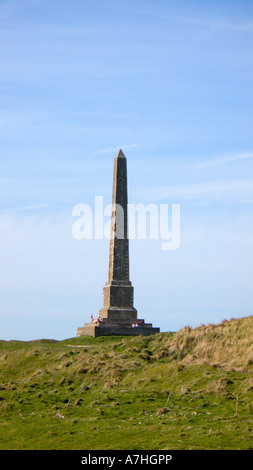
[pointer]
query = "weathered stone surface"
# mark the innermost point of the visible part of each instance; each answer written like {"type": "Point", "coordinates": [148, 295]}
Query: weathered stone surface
{"type": "Point", "coordinates": [95, 331]}
{"type": "Point", "coordinates": [118, 315]}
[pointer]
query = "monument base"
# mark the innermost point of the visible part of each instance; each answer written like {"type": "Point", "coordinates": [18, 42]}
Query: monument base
{"type": "Point", "coordinates": [103, 328]}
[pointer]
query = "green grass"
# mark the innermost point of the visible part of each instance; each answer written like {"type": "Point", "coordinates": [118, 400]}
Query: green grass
{"type": "Point", "coordinates": [184, 390]}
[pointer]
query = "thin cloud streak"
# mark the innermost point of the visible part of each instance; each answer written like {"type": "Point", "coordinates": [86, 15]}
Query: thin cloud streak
{"type": "Point", "coordinates": [225, 159]}
{"type": "Point", "coordinates": [115, 149]}
{"type": "Point", "coordinates": [243, 27]}
{"type": "Point", "coordinates": [239, 27]}
{"type": "Point", "coordinates": [230, 191]}
{"type": "Point", "coordinates": [25, 208]}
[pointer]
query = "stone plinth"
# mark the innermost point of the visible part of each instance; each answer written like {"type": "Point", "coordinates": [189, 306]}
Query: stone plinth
{"type": "Point", "coordinates": [122, 329]}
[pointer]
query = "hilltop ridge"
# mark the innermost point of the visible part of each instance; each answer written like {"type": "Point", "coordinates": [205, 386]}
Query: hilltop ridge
{"type": "Point", "coordinates": [192, 389]}
{"type": "Point", "coordinates": [229, 343]}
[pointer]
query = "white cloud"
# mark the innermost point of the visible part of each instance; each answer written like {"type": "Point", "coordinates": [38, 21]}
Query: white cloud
{"type": "Point", "coordinates": [217, 24]}
{"type": "Point", "coordinates": [225, 159]}
{"type": "Point", "coordinates": [25, 208]}
{"type": "Point", "coordinates": [240, 191]}
{"type": "Point", "coordinates": [115, 149]}
{"type": "Point", "coordinates": [157, 12]}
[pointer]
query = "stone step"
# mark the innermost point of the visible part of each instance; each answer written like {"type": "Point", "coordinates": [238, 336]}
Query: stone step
{"type": "Point", "coordinates": [96, 330]}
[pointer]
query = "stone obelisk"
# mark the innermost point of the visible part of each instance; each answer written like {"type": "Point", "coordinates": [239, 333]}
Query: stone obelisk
{"type": "Point", "coordinates": [118, 315]}
{"type": "Point", "coordinates": [118, 291]}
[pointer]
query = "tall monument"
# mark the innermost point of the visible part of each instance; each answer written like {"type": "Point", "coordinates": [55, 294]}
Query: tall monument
{"type": "Point", "coordinates": [118, 315]}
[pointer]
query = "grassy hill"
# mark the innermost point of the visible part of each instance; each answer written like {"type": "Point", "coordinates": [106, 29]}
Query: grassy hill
{"type": "Point", "coordinates": [187, 390]}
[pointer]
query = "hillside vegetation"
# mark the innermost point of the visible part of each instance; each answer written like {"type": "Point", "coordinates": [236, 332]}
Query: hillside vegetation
{"type": "Point", "coordinates": [187, 390]}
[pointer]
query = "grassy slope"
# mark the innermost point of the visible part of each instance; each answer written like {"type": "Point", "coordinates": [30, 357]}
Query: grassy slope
{"type": "Point", "coordinates": [112, 392]}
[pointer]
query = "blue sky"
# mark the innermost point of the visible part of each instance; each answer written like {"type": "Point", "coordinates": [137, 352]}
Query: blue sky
{"type": "Point", "coordinates": [171, 84]}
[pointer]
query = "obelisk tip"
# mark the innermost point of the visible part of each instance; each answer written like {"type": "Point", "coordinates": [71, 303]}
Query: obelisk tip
{"type": "Point", "coordinates": [120, 154]}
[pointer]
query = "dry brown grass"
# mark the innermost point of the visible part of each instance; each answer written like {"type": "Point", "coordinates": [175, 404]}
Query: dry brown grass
{"type": "Point", "coordinates": [229, 343]}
